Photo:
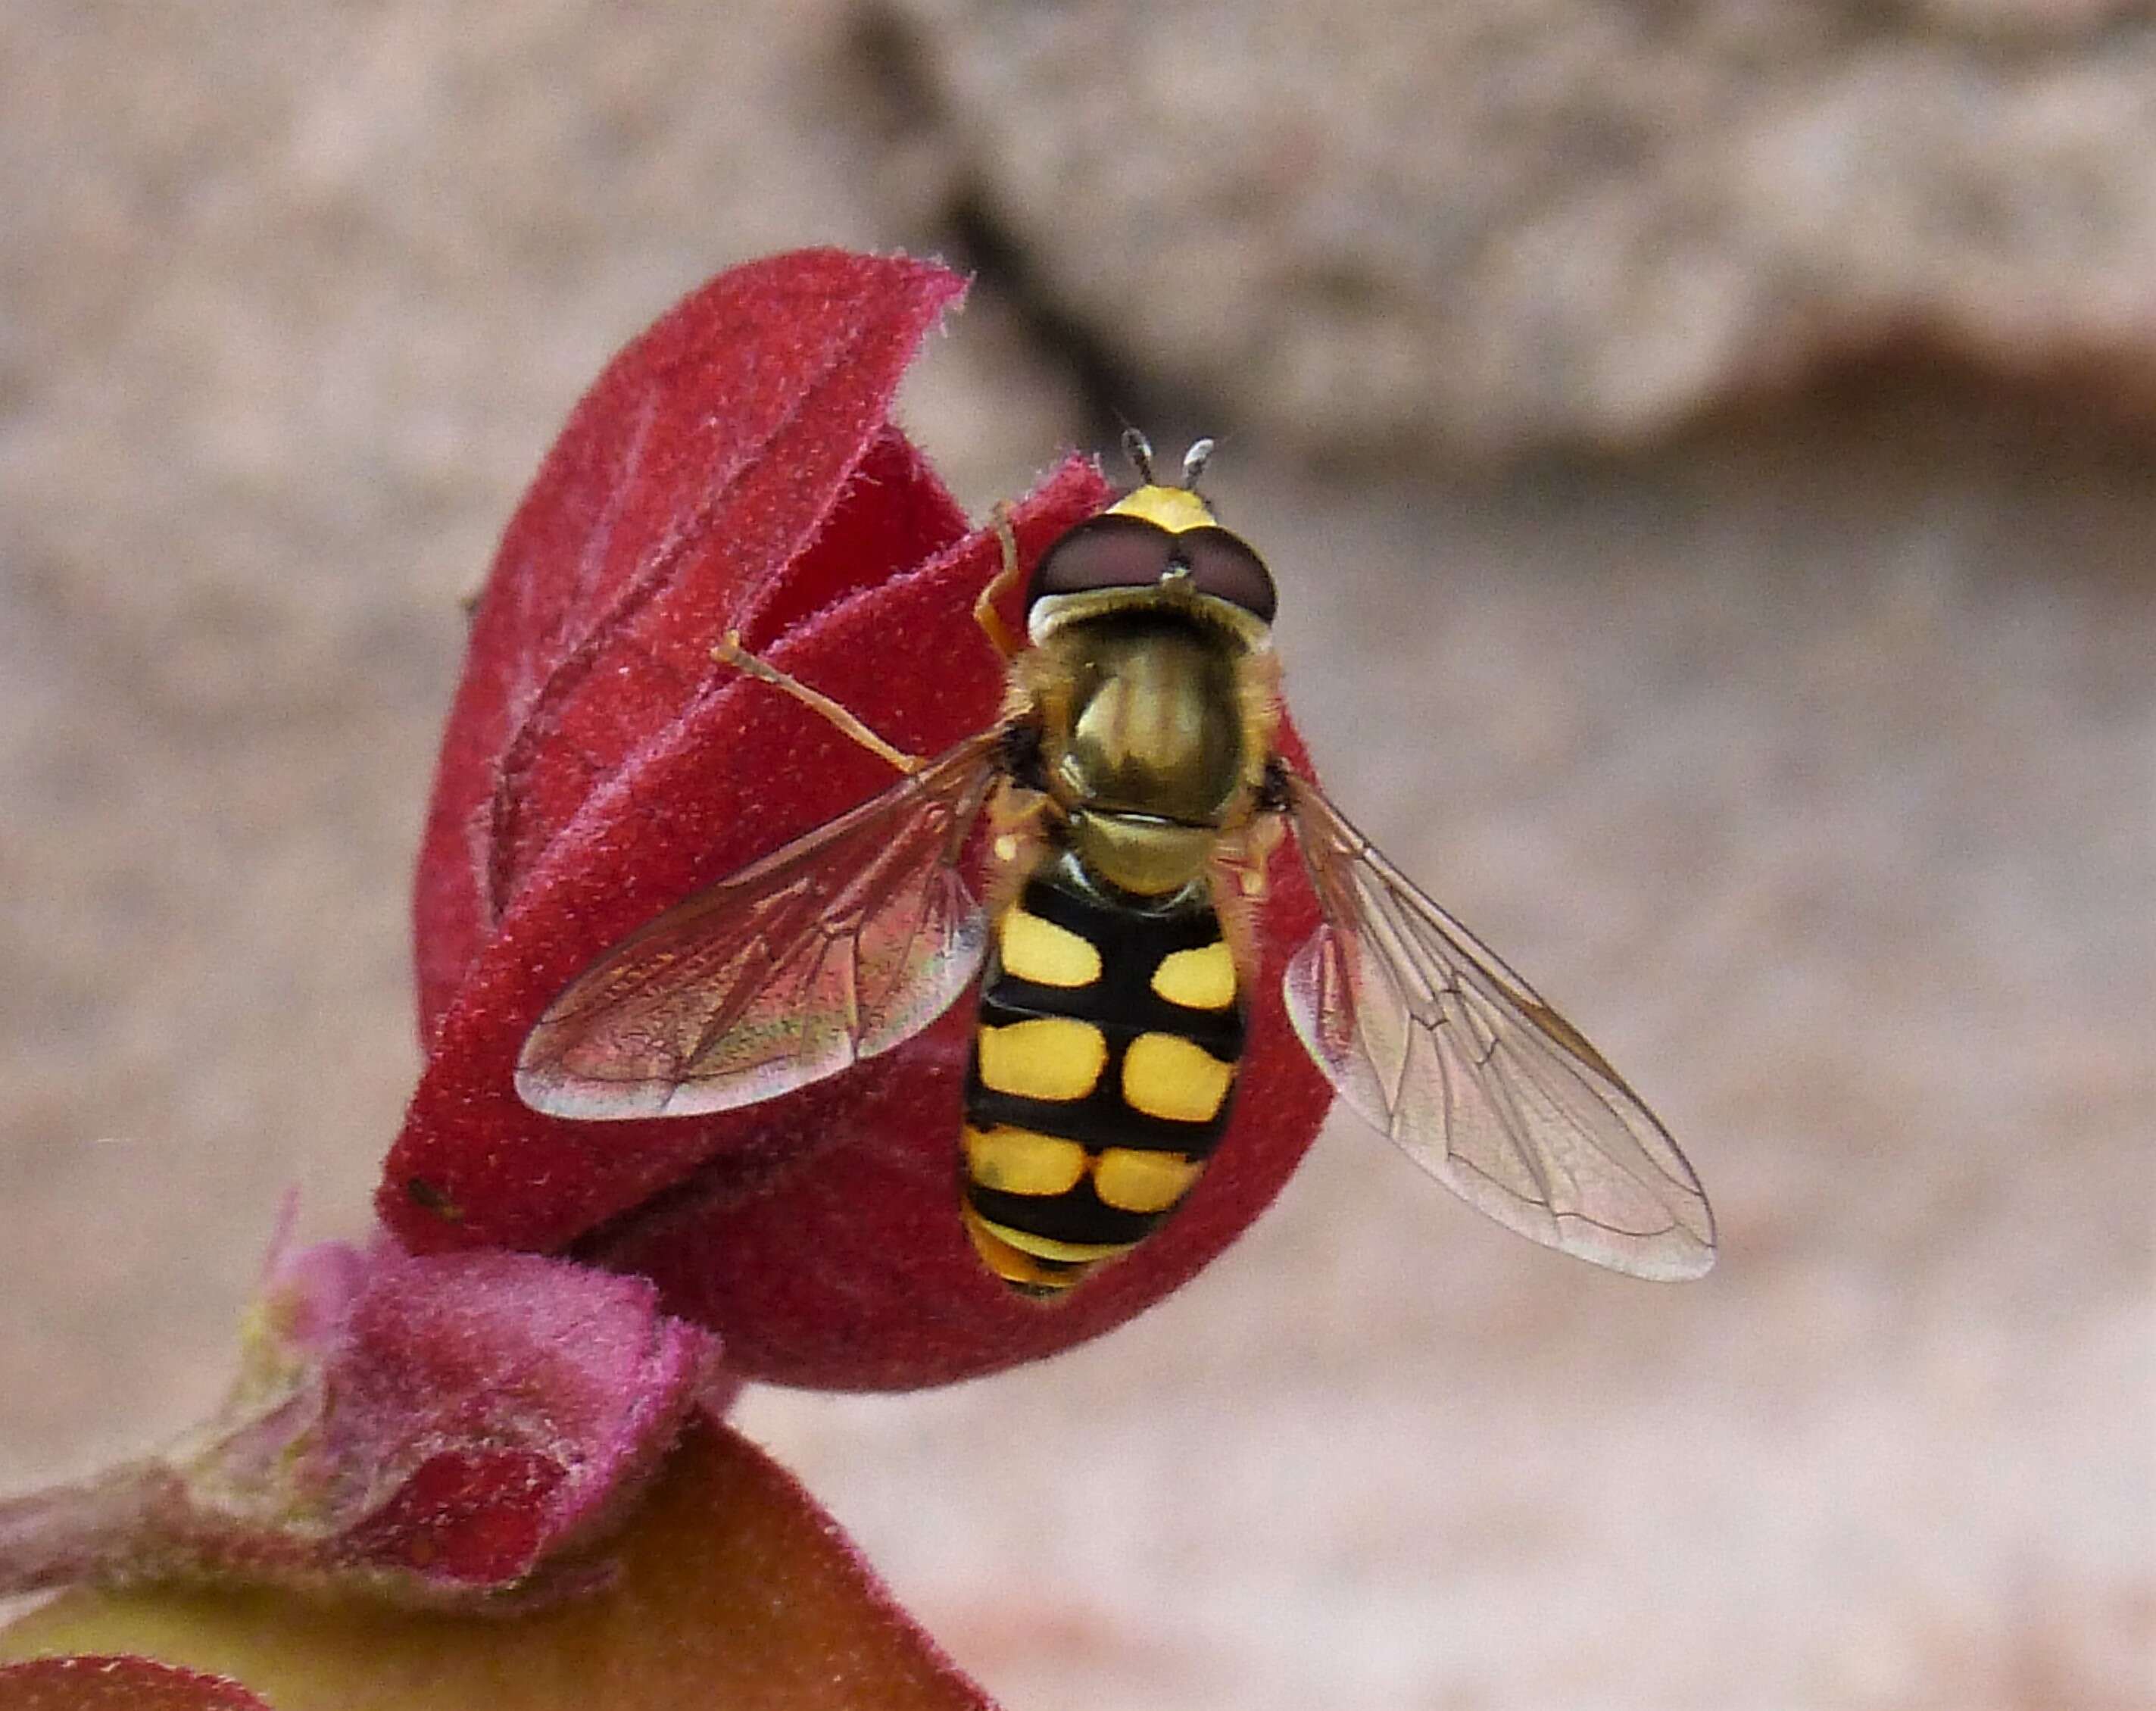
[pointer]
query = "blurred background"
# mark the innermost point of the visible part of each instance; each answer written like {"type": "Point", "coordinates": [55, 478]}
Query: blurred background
{"type": "Point", "coordinates": [1706, 451]}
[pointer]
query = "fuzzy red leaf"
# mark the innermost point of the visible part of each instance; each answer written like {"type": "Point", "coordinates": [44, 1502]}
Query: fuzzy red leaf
{"type": "Point", "coordinates": [433, 1430]}
{"type": "Point", "coordinates": [93, 1682]}
{"type": "Point", "coordinates": [731, 1588]}
{"type": "Point", "coordinates": [719, 449]}
{"type": "Point", "coordinates": [819, 1232]}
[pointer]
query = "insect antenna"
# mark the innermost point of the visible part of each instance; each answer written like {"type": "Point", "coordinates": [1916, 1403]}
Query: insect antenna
{"type": "Point", "coordinates": [1139, 451]}
{"type": "Point", "coordinates": [1194, 461]}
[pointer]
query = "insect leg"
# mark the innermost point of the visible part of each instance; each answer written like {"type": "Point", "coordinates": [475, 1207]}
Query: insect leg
{"type": "Point", "coordinates": [731, 652]}
{"type": "Point", "coordinates": [984, 608]}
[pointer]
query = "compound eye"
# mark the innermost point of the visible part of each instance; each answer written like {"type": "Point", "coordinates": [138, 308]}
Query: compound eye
{"type": "Point", "coordinates": [1224, 566]}
{"type": "Point", "coordinates": [1113, 552]}
{"type": "Point", "coordinates": [1118, 551]}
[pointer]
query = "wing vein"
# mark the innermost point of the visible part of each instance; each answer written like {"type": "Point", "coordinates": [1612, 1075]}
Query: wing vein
{"type": "Point", "coordinates": [1431, 1036]}
{"type": "Point", "coordinates": [833, 949]}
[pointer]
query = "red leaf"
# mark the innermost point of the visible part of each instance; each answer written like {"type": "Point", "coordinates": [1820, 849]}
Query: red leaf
{"type": "Point", "coordinates": [432, 1429]}
{"type": "Point", "coordinates": [740, 771]}
{"type": "Point", "coordinates": [732, 1589]}
{"type": "Point", "coordinates": [818, 1233]}
{"type": "Point", "coordinates": [90, 1682]}
{"type": "Point", "coordinates": [717, 450]}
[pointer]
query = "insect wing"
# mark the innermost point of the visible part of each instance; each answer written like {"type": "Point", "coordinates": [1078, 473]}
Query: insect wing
{"type": "Point", "coordinates": [841, 945]}
{"type": "Point", "coordinates": [1432, 1040]}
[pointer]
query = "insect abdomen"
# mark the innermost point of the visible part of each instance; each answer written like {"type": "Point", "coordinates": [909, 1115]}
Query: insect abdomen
{"type": "Point", "coordinates": [1102, 1071]}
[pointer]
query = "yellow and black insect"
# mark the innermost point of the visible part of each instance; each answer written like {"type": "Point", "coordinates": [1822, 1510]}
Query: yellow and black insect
{"type": "Point", "coordinates": [1134, 794]}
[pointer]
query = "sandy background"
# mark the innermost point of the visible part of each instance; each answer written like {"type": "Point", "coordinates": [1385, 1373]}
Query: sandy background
{"type": "Point", "coordinates": [1708, 462]}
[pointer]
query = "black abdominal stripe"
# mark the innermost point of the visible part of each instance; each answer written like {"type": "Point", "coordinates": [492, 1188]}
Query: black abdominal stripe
{"type": "Point", "coordinates": [1102, 1071]}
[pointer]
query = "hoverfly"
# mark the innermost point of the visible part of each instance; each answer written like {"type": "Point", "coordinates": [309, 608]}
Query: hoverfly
{"type": "Point", "coordinates": [1134, 794]}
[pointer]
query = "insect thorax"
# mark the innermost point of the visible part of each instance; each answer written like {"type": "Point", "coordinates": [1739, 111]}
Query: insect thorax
{"type": "Point", "coordinates": [1145, 745]}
